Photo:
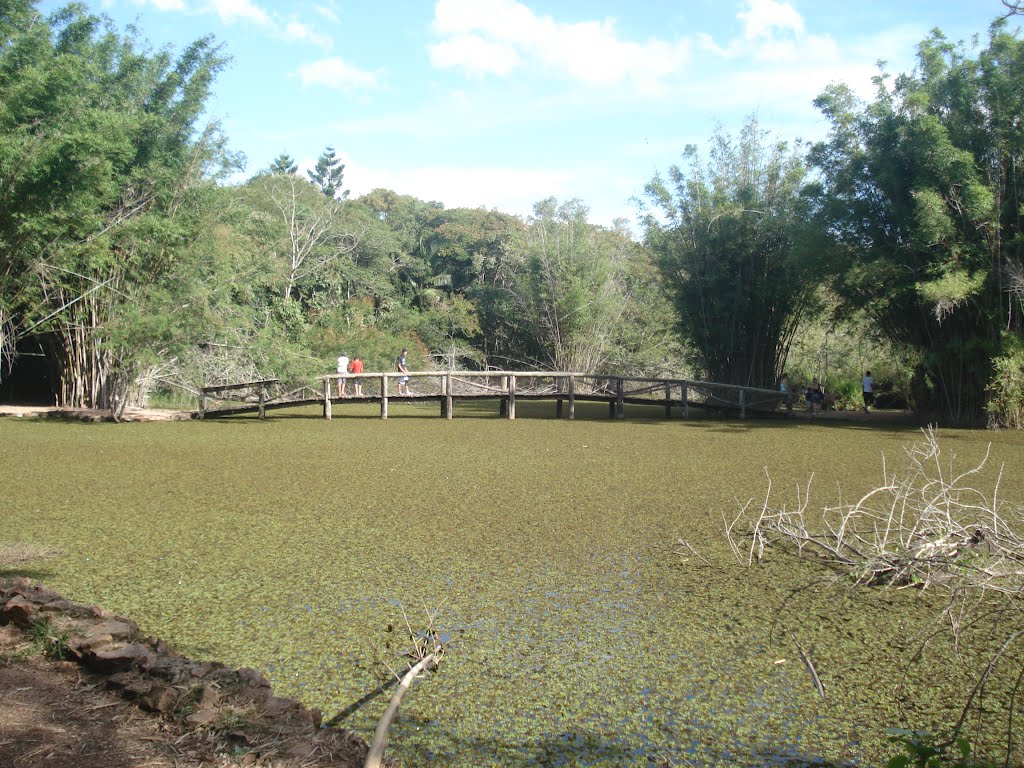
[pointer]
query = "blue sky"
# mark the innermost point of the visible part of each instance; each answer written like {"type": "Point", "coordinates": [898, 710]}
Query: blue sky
{"type": "Point", "coordinates": [501, 103]}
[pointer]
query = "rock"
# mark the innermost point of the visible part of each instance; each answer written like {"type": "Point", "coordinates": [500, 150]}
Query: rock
{"type": "Point", "coordinates": [253, 678]}
{"type": "Point", "coordinates": [121, 630]}
{"type": "Point", "coordinates": [119, 659]}
{"type": "Point", "coordinates": [161, 698]}
{"type": "Point", "coordinates": [276, 706]}
{"type": "Point", "coordinates": [18, 611]}
{"type": "Point", "coordinates": [120, 680]}
{"type": "Point", "coordinates": [202, 717]}
{"type": "Point", "coordinates": [240, 736]}
{"type": "Point", "coordinates": [79, 647]}
{"type": "Point", "coordinates": [209, 698]}
{"type": "Point", "coordinates": [202, 669]}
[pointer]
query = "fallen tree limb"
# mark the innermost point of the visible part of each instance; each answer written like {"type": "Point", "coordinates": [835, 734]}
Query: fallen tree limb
{"type": "Point", "coordinates": [380, 735]}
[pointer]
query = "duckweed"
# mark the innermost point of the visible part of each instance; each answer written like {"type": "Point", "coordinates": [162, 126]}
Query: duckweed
{"type": "Point", "coordinates": [579, 635]}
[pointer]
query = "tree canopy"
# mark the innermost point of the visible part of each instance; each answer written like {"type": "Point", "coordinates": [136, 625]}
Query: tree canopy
{"type": "Point", "coordinates": [128, 262]}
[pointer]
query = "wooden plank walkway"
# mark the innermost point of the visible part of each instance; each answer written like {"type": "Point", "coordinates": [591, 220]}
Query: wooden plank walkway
{"type": "Point", "coordinates": [508, 387]}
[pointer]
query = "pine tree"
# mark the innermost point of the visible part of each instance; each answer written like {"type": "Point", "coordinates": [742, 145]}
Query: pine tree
{"type": "Point", "coordinates": [328, 174]}
{"type": "Point", "coordinates": [284, 163]}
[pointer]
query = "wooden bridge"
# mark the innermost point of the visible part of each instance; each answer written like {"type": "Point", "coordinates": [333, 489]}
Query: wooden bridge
{"type": "Point", "coordinates": [508, 387]}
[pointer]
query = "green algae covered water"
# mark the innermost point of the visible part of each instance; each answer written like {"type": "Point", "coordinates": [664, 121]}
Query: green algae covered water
{"type": "Point", "coordinates": [580, 631]}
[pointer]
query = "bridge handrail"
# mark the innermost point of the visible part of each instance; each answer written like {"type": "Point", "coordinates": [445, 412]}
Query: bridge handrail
{"type": "Point", "coordinates": [653, 380]}
{"type": "Point", "coordinates": [559, 385]}
{"type": "Point", "coordinates": [245, 385]}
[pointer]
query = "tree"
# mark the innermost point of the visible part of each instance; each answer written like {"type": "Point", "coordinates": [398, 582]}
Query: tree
{"type": "Point", "coordinates": [328, 174]}
{"type": "Point", "coordinates": [568, 288]}
{"type": "Point", "coordinates": [284, 164]}
{"type": "Point", "coordinates": [304, 223]}
{"type": "Point", "coordinates": [726, 236]}
{"type": "Point", "coordinates": [921, 201]}
{"type": "Point", "coordinates": [100, 163]}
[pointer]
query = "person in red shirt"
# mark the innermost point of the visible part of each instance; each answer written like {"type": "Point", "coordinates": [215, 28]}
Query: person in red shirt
{"type": "Point", "coordinates": [357, 367]}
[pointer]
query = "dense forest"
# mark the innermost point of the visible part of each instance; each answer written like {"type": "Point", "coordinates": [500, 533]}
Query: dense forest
{"type": "Point", "coordinates": [131, 270]}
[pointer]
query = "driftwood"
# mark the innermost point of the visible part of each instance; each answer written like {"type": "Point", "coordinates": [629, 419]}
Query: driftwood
{"type": "Point", "coordinates": [428, 648]}
{"type": "Point", "coordinates": [375, 757]}
{"type": "Point", "coordinates": [923, 527]}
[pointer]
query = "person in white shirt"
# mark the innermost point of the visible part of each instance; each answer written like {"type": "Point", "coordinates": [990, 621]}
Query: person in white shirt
{"type": "Point", "coordinates": [867, 386]}
{"type": "Point", "coordinates": [342, 368]}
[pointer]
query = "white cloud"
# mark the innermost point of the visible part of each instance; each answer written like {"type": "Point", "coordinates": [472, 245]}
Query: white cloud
{"type": "Point", "coordinates": [329, 12]}
{"type": "Point", "coordinates": [763, 18]}
{"type": "Point", "coordinates": [511, 190]}
{"type": "Point", "coordinates": [335, 73]}
{"type": "Point", "coordinates": [773, 32]}
{"type": "Point", "coordinates": [295, 30]}
{"type": "Point", "coordinates": [497, 36]}
{"type": "Point", "coordinates": [475, 54]}
{"type": "Point", "coordinates": [231, 10]}
{"type": "Point", "coordinates": [170, 5]}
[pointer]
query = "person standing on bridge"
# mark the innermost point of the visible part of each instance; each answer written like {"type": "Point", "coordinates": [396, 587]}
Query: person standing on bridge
{"type": "Point", "coordinates": [402, 365]}
{"type": "Point", "coordinates": [867, 387]}
{"type": "Point", "coordinates": [342, 368]}
{"type": "Point", "coordinates": [357, 384]}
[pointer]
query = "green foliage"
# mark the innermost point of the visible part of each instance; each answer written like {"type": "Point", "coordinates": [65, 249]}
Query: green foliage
{"type": "Point", "coordinates": [328, 174]}
{"type": "Point", "coordinates": [923, 750]}
{"type": "Point", "coordinates": [102, 166]}
{"type": "Point", "coordinates": [1006, 389]}
{"type": "Point", "coordinates": [284, 164]}
{"type": "Point", "coordinates": [45, 638]}
{"type": "Point", "coordinates": [727, 239]}
{"type": "Point", "coordinates": [918, 203]}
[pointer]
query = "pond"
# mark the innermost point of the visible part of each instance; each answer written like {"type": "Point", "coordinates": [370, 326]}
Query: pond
{"type": "Point", "coordinates": [581, 632]}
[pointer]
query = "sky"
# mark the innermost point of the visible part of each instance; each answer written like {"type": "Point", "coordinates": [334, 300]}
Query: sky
{"type": "Point", "coordinates": [502, 103]}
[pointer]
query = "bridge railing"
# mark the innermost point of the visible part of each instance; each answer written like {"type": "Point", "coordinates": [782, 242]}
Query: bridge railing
{"type": "Point", "coordinates": [559, 385]}
{"type": "Point", "coordinates": [242, 395]}
{"type": "Point", "coordinates": [506, 386]}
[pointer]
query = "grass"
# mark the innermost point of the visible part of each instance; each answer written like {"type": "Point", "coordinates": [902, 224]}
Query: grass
{"type": "Point", "coordinates": [579, 635]}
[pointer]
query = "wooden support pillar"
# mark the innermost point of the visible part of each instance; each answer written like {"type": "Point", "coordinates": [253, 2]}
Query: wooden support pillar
{"type": "Point", "coordinates": [202, 402]}
{"type": "Point", "coordinates": [263, 400]}
{"type": "Point", "coordinates": [446, 384]}
{"type": "Point", "coordinates": [572, 398]}
{"type": "Point", "coordinates": [685, 395]}
{"type": "Point", "coordinates": [743, 403]}
{"type": "Point", "coordinates": [511, 397]}
{"type": "Point", "coordinates": [668, 400]}
{"type": "Point", "coordinates": [327, 399]}
{"type": "Point", "coordinates": [789, 404]}
{"type": "Point", "coordinates": [503, 401]}
{"type": "Point", "coordinates": [619, 410]}
{"type": "Point", "coordinates": [558, 408]}
{"type": "Point", "coordinates": [383, 395]}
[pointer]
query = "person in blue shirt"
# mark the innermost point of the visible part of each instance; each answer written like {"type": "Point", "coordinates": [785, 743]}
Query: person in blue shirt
{"type": "Point", "coordinates": [401, 365]}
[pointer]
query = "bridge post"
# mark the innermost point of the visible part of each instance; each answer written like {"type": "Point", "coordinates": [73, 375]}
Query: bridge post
{"type": "Point", "coordinates": [511, 397]}
{"type": "Point", "coordinates": [572, 398]}
{"type": "Point", "coordinates": [446, 384]}
{"type": "Point", "coordinates": [743, 403]}
{"type": "Point", "coordinates": [263, 400]}
{"type": "Point", "coordinates": [327, 399]}
{"type": "Point", "coordinates": [503, 402]}
{"type": "Point", "coordinates": [619, 410]}
{"type": "Point", "coordinates": [685, 394]}
{"type": "Point", "coordinates": [383, 395]}
{"type": "Point", "coordinates": [668, 400]}
{"type": "Point", "coordinates": [202, 402]}
{"type": "Point", "coordinates": [789, 404]}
